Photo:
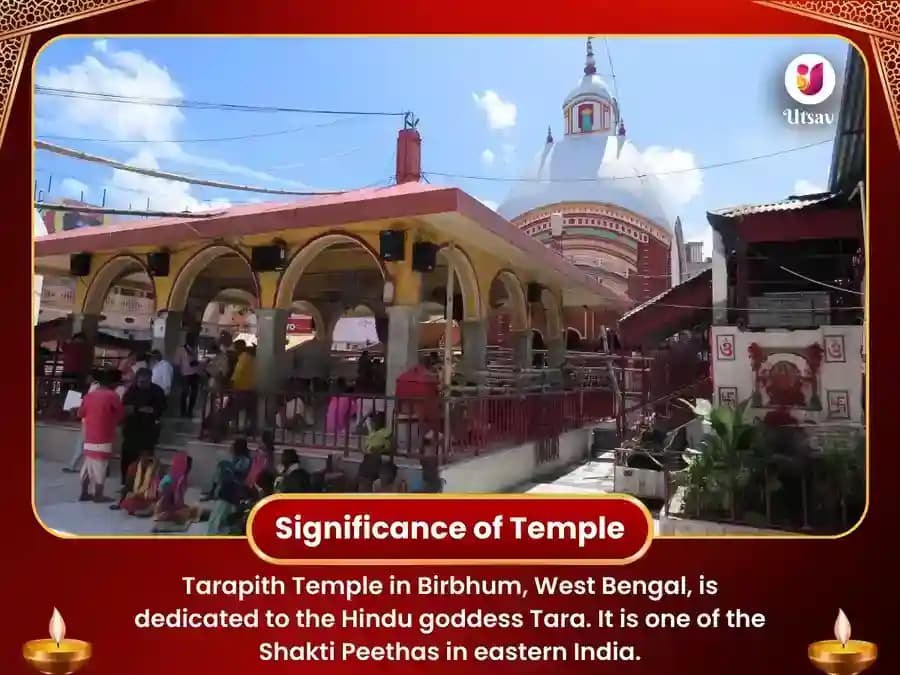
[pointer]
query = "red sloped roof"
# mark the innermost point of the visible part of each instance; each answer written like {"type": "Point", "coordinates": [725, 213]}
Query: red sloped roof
{"type": "Point", "coordinates": [678, 308]}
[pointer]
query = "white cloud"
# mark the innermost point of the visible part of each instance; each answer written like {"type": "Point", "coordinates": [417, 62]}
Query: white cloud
{"type": "Point", "coordinates": [74, 189]}
{"type": "Point", "coordinates": [487, 156]}
{"type": "Point", "coordinates": [488, 203]}
{"type": "Point", "coordinates": [807, 187]}
{"type": "Point", "coordinates": [131, 74]}
{"type": "Point", "coordinates": [500, 114]}
{"type": "Point", "coordinates": [674, 173]}
{"type": "Point", "coordinates": [134, 190]}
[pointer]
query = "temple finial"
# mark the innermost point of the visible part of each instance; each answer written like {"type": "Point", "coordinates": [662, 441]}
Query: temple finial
{"type": "Point", "coordinates": [549, 135]}
{"type": "Point", "coordinates": [590, 67]}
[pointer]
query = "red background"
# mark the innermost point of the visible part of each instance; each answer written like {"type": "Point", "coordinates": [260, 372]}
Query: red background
{"type": "Point", "coordinates": [467, 511]}
{"type": "Point", "coordinates": [99, 585]}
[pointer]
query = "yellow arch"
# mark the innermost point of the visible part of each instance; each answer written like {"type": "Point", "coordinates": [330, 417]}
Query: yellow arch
{"type": "Point", "coordinates": [468, 281]}
{"type": "Point", "coordinates": [106, 276]}
{"type": "Point", "coordinates": [284, 295]}
{"type": "Point", "coordinates": [516, 299]}
{"type": "Point", "coordinates": [198, 262]}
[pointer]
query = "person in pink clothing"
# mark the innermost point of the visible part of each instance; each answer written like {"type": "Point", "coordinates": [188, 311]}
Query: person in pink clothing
{"type": "Point", "coordinates": [101, 411]}
{"type": "Point", "coordinates": [341, 409]}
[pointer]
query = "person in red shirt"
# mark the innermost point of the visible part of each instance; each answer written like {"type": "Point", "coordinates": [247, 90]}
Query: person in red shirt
{"type": "Point", "coordinates": [101, 411]}
{"type": "Point", "coordinates": [76, 358]}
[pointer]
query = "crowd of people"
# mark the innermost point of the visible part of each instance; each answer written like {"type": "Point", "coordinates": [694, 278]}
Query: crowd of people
{"type": "Point", "coordinates": [122, 411]}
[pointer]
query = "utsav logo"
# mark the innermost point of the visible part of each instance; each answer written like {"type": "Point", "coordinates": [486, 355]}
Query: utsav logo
{"type": "Point", "coordinates": [809, 79]}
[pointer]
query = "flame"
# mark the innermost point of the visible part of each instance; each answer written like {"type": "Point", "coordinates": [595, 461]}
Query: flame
{"type": "Point", "coordinates": [842, 628]}
{"type": "Point", "coordinates": [57, 627]}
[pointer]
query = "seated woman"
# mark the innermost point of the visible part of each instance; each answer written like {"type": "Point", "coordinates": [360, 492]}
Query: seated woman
{"type": "Point", "coordinates": [229, 488]}
{"type": "Point", "coordinates": [262, 488]}
{"type": "Point", "coordinates": [141, 488]}
{"type": "Point", "coordinates": [262, 459]}
{"type": "Point", "coordinates": [294, 478]}
{"type": "Point", "coordinates": [389, 479]}
{"type": "Point", "coordinates": [171, 513]}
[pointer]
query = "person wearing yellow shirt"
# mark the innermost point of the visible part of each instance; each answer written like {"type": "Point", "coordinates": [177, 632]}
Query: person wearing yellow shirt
{"type": "Point", "coordinates": [244, 376]}
{"type": "Point", "coordinates": [243, 383]}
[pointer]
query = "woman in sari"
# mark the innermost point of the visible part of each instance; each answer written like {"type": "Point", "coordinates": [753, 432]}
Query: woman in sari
{"type": "Point", "coordinates": [171, 513]}
{"type": "Point", "coordinates": [141, 487]}
{"type": "Point", "coordinates": [340, 410]}
{"type": "Point", "coordinates": [229, 489]}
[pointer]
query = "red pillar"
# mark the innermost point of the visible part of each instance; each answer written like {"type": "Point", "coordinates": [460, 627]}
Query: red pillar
{"type": "Point", "coordinates": [409, 156]}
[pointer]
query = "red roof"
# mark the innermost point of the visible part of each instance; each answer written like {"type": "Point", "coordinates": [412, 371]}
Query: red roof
{"type": "Point", "coordinates": [404, 201]}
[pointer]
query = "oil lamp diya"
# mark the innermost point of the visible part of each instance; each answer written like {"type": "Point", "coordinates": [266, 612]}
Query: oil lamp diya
{"type": "Point", "coordinates": [57, 656]}
{"type": "Point", "coordinates": [842, 656]}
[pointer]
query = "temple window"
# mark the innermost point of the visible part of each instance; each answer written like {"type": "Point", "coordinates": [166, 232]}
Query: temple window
{"type": "Point", "coordinates": [586, 118]}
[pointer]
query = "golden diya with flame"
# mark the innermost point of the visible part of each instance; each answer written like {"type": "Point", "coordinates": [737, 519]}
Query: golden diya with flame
{"type": "Point", "coordinates": [58, 655]}
{"type": "Point", "coordinates": [842, 656]}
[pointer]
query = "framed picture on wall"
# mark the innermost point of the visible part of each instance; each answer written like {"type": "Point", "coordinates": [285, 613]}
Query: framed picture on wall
{"type": "Point", "coordinates": [725, 347]}
{"type": "Point", "coordinates": [834, 349]}
{"type": "Point", "coordinates": [728, 396]}
{"type": "Point", "coordinates": [838, 404]}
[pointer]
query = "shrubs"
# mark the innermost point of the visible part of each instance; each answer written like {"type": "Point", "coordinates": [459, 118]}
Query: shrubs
{"type": "Point", "coordinates": [769, 474]}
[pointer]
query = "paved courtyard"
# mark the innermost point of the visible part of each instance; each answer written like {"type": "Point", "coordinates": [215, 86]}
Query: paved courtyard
{"type": "Point", "coordinates": [57, 502]}
{"type": "Point", "coordinates": [56, 499]}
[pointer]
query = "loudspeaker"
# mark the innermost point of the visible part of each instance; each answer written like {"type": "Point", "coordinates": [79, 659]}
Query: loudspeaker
{"type": "Point", "coordinates": [80, 264]}
{"type": "Point", "coordinates": [267, 258]}
{"type": "Point", "coordinates": [424, 256]}
{"type": "Point", "coordinates": [158, 263]}
{"type": "Point", "coordinates": [392, 245]}
{"type": "Point", "coordinates": [534, 292]}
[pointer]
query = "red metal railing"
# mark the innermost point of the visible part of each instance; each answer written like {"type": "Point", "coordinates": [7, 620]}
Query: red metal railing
{"type": "Point", "coordinates": [339, 422]}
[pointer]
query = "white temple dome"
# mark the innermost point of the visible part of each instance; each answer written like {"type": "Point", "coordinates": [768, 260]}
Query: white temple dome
{"type": "Point", "coordinates": [565, 171]}
{"type": "Point", "coordinates": [590, 85]}
{"type": "Point", "coordinates": [592, 163]}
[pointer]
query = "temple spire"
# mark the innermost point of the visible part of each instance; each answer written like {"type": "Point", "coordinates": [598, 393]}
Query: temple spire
{"type": "Point", "coordinates": [590, 67]}
{"type": "Point", "coordinates": [549, 136]}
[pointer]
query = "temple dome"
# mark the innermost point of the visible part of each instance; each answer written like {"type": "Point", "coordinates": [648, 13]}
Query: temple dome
{"type": "Point", "coordinates": [591, 85]}
{"type": "Point", "coordinates": [564, 172]}
{"type": "Point", "coordinates": [592, 163]}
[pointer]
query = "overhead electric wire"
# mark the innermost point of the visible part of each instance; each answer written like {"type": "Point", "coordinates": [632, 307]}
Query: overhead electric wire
{"type": "Point", "coordinates": [262, 134]}
{"type": "Point", "coordinates": [205, 105]}
{"type": "Point", "coordinates": [509, 179]}
{"type": "Point", "coordinates": [819, 283]}
{"type": "Point", "coordinates": [155, 173]}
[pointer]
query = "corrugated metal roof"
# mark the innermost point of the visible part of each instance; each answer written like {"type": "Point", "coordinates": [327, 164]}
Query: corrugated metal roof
{"type": "Point", "coordinates": [792, 203]}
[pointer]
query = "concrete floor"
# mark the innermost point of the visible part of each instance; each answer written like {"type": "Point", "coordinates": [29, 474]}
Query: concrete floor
{"type": "Point", "coordinates": [595, 476]}
{"type": "Point", "coordinates": [56, 499]}
{"type": "Point", "coordinates": [592, 477]}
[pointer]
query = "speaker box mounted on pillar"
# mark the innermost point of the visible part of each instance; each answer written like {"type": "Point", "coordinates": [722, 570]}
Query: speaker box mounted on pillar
{"type": "Point", "coordinates": [80, 264]}
{"type": "Point", "coordinates": [268, 258]}
{"type": "Point", "coordinates": [424, 256]}
{"type": "Point", "coordinates": [392, 244]}
{"type": "Point", "coordinates": [158, 263]}
{"type": "Point", "coordinates": [534, 292]}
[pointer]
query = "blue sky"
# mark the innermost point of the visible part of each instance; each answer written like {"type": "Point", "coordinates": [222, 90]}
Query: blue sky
{"type": "Point", "coordinates": [484, 106]}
